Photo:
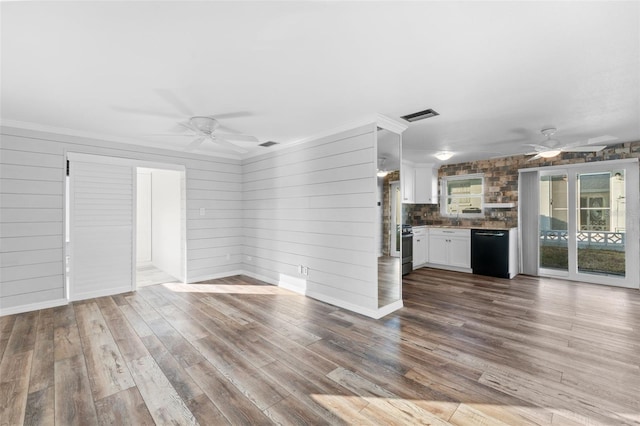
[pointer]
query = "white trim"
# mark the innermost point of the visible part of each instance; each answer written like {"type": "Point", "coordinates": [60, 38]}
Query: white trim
{"type": "Point", "coordinates": [387, 309]}
{"type": "Point", "coordinates": [101, 293]}
{"type": "Point", "coordinates": [64, 131]}
{"type": "Point", "coordinates": [123, 161]}
{"type": "Point", "coordinates": [390, 124]}
{"type": "Point", "coordinates": [33, 307]}
{"type": "Point", "coordinates": [447, 267]}
{"type": "Point", "coordinates": [371, 313]}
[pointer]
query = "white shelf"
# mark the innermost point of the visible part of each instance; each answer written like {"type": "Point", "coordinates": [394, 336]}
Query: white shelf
{"type": "Point", "coordinates": [499, 205]}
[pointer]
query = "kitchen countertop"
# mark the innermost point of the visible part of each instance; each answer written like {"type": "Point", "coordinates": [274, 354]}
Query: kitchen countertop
{"type": "Point", "coordinates": [488, 228]}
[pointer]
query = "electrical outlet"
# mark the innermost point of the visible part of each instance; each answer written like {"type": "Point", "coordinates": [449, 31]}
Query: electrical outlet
{"type": "Point", "coordinates": [300, 269]}
{"type": "Point", "coordinates": [305, 271]}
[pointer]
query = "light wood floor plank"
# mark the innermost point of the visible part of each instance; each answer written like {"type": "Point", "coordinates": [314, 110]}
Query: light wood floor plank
{"type": "Point", "coordinates": [73, 401]}
{"type": "Point", "coordinates": [14, 386]}
{"type": "Point", "coordinates": [108, 373]}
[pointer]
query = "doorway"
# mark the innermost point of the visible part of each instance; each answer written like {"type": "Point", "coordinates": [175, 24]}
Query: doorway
{"type": "Point", "coordinates": [159, 241]}
{"type": "Point", "coordinates": [587, 227]}
{"type": "Point", "coordinates": [101, 224]}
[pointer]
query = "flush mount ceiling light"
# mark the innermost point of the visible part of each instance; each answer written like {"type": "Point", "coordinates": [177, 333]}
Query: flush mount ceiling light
{"type": "Point", "coordinates": [381, 171]}
{"type": "Point", "coordinates": [444, 155]}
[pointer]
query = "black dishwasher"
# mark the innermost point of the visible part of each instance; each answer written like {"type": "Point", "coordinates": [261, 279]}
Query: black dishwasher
{"type": "Point", "coordinates": [490, 252]}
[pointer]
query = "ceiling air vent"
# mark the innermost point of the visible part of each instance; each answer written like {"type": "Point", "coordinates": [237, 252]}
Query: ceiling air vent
{"type": "Point", "coordinates": [421, 115]}
{"type": "Point", "coordinates": [268, 143]}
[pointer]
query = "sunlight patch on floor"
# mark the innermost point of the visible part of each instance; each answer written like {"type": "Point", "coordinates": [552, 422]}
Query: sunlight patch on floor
{"type": "Point", "coordinates": [226, 289]}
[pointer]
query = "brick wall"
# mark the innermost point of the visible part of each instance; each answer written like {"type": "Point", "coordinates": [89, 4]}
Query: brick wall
{"type": "Point", "coordinates": [501, 184]}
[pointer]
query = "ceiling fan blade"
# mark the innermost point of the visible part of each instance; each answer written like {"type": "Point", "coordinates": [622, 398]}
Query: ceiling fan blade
{"type": "Point", "coordinates": [538, 148]}
{"type": "Point", "coordinates": [228, 144]}
{"type": "Point", "coordinates": [245, 138]}
{"type": "Point", "coordinates": [535, 157]}
{"type": "Point", "coordinates": [145, 112]}
{"type": "Point", "coordinates": [237, 114]}
{"type": "Point", "coordinates": [188, 125]}
{"type": "Point", "coordinates": [180, 135]}
{"type": "Point", "coordinates": [601, 139]}
{"type": "Point", "coordinates": [590, 148]}
{"type": "Point", "coordinates": [175, 101]}
{"type": "Point", "coordinates": [195, 144]}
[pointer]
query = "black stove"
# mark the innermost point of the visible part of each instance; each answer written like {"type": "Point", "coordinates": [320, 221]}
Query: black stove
{"type": "Point", "coordinates": [407, 249]}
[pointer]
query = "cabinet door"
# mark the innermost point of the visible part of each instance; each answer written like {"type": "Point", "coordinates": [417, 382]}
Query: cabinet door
{"type": "Point", "coordinates": [426, 185]}
{"type": "Point", "coordinates": [460, 252]}
{"type": "Point", "coordinates": [438, 248]}
{"type": "Point", "coordinates": [419, 249]}
{"type": "Point", "coordinates": [407, 176]}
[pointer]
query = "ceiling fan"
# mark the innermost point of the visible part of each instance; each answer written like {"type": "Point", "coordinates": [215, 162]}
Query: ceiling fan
{"type": "Point", "coordinates": [552, 147]}
{"type": "Point", "coordinates": [205, 128]}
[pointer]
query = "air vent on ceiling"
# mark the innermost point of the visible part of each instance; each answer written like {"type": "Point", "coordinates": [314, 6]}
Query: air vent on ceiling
{"type": "Point", "coordinates": [268, 143]}
{"type": "Point", "coordinates": [421, 115]}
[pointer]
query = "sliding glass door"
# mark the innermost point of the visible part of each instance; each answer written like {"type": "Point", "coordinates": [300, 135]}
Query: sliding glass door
{"type": "Point", "coordinates": [588, 223]}
{"type": "Point", "coordinates": [553, 223]}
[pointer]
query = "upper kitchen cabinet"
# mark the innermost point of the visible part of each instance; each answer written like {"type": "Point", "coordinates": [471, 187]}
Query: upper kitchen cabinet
{"type": "Point", "coordinates": [408, 183]}
{"type": "Point", "coordinates": [419, 183]}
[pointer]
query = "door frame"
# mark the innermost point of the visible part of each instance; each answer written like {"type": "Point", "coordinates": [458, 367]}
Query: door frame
{"type": "Point", "coordinates": [68, 213]}
{"type": "Point", "coordinates": [394, 251]}
{"type": "Point", "coordinates": [632, 219]}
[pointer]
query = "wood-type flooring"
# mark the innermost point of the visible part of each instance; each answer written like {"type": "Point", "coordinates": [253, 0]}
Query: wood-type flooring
{"type": "Point", "coordinates": [465, 350]}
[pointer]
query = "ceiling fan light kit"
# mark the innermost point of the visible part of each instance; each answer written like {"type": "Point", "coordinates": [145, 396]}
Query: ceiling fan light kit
{"type": "Point", "coordinates": [204, 124]}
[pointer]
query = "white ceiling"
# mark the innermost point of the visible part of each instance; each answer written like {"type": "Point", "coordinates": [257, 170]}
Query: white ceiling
{"type": "Point", "coordinates": [497, 72]}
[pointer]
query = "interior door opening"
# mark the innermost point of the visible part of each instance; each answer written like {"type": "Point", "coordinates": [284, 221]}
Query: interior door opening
{"type": "Point", "coordinates": [159, 218]}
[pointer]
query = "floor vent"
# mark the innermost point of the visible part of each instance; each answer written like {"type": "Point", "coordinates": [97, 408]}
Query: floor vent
{"type": "Point", "coordinates": [421, 115]}
{"type": "Point", "coordinates": [268, 143]}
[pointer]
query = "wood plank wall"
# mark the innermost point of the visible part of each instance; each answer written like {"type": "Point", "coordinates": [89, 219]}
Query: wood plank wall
{"type": "Point", "coordinates": [314, 205]}
{"type": "Point", "coordinates": [32, 170]}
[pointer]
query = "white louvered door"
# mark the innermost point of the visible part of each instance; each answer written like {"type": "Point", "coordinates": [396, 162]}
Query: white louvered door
{"type": "Point", "coordinates": [101, 242]}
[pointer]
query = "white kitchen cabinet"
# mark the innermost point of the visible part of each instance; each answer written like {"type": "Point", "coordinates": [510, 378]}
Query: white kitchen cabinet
{"type": "Point", "coordinates": [450, 248]}
{"type": "Point", "coordinates": [407, 177]}
{"type": "Point", "coordinates": [420, 246]}
{"type": "Point", "coordinates": [419, 183]}
{"type": "Point", "coordinates": [426, 184]}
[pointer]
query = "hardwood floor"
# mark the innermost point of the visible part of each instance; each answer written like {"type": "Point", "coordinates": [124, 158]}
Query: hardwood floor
{"type": "Point", "coordinates": [465, 350]}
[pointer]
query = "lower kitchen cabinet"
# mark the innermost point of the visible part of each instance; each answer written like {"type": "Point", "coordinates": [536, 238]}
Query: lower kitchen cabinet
{"type": "Point", "coordinates": [420, 246]}
{"type": "Point", "coordinates": [450, 248]}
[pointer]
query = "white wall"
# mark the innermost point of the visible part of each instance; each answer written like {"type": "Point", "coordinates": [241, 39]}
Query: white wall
{"type": "Point", "coordinates": [165, 222]}
{"type": "Point", "coordinates": [143, 216]}
{"type": "Point", "coordinates": [315, 205]}
{"type": "Point", "coordinates": [32, 170]}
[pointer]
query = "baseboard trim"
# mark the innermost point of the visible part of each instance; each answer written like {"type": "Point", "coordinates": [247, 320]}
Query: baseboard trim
{"type": "Point", "coordinates": [101, 293]}
{"type": "Point", "coordinates": [33, 307]}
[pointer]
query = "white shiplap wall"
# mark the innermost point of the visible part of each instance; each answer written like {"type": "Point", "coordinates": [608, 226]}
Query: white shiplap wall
{"type": "Point", "coordinates": [32, 170]}
{"type": "Point", "coordinates": [314, 204]}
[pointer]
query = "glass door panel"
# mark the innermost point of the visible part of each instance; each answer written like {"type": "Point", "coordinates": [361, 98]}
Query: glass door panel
{"type": "Point", "coordinates": [600, 225]}
{"type": "Point", "coordinates": [554, 223]}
